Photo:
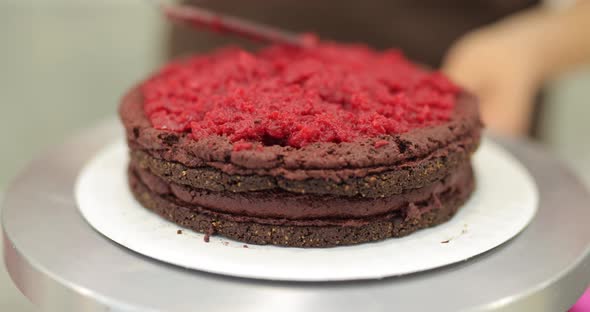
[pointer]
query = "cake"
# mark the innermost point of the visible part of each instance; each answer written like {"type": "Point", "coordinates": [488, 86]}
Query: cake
{"type": "Point", "coordinates": [330, 145]}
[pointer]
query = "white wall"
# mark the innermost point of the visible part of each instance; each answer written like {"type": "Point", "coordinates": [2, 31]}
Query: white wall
{"type": "Point", "coordinates": [64, 65]}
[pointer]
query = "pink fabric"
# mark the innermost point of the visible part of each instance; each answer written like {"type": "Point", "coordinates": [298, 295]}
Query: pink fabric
{"type": "Point", "coordinates": [583, 305]}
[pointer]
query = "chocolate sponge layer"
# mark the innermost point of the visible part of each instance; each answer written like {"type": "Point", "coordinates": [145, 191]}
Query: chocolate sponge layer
{"type": "Point", "coordinates": [315, 232]}
{"type": "Point", "coordinates": [278, 204]}
{"type": "Point", "coordinates": [409, 160]}
{"type": "Point", "coordinates": [382, 183]}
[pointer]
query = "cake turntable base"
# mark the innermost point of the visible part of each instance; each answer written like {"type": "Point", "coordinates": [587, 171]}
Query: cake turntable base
{"type": "Point", "coordinates": [61, 264]}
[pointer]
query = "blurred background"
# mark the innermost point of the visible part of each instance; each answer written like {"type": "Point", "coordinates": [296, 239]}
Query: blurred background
{"type": "Point", "coordinates": [64, 65]}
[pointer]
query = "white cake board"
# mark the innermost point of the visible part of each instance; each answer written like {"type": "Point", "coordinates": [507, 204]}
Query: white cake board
{"type": "Point", "coordinates": [504, 202]}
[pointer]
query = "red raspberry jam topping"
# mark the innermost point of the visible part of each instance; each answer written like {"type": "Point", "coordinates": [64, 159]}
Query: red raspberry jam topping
{"type": "Point", "coordinates": [293, 97]}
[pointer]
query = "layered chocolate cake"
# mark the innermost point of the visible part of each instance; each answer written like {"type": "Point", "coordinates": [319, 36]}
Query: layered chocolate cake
{"type": "Point", "coordinates": [326, 146]}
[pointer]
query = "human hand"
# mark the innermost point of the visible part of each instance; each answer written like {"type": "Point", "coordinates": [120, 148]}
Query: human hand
{"type": "Point", "coordinates": [502, 65]}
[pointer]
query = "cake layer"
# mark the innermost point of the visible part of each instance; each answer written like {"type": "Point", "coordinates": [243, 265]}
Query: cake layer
{"type": "Point", "coordinates": [285, 205]}
{"type": "Point", "coordinates": [281, 95]}
{"type": "Point", "coordinates": [302, 233]}
{"type": "Point", "coordinates": [368, 182]}
{"type": "Point", "coordinates": [365, 154]}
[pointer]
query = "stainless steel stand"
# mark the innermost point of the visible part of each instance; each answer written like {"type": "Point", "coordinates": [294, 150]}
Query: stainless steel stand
{"type": "Point", "coordinates": [60, 263]}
